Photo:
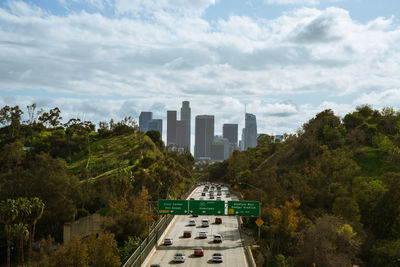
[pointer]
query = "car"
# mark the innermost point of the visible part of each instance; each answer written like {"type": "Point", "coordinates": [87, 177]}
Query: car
{"type": "Point", "coordinates": [202, 234]}
{"type": "Point", "coordinates": [228, 195]}
{"type": "Point", "coordinates": [198, 252]}
{"type": "Point", "coordinates": [192, 222]}
{"type": "Point", "coordinates": [203, 194]}
{"type": "Point", "coordinates": [187, 233]}
{"type": "Point", "coordinates": [205, 222]}
{"type": "Point", "coordinates": [217, 238]}
{"type": "Point", "coordinates": [218, 220]}
{"type": "Point", "coordinates": [217, 257]}
{"type": "Point", "coordinates": [167, 241]}
{"type": "Point", "coordinates": [211, 197]}
{"type": "Point", "coordinates": [195, 215]}
{"type": "Point", "coordinates": [219, 193]}
{"type": "Point", "coordinates": [155, 265]}
{"type": "Point", "coordinates": [192, 198]}
{"type": "Point", "coordinates": [179, 257]}
{"type": "Point", "coordinates": [218, 198]}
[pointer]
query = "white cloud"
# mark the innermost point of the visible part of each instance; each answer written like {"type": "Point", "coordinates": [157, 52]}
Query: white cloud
{"type": "Point", "coordinates": [293, 2]}
{"type": "Point", "coordinates": [109, 67]}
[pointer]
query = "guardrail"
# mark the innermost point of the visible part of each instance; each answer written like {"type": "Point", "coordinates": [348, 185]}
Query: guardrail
{"type": "Point", "coordinates": [141, 252]}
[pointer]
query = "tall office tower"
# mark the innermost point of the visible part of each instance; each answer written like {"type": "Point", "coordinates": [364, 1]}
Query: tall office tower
{"type": "Point", "coordinates": [220, 149]}
{"type": "Point", "coordinates": [242, 141]}
{"type": "Point", "coordinates": [144, 118]}
{"type": "Point", "coordinates": [155, 125]}
{"type": "Point", "coordinates": [185, 116]}
{"type": "Point", "coordinates": [181, 134]}
{"type": "Point", "coordinates": [251, 131]}
{"type": "Point", "coordinates": [230, 132]}
{"type": "Point", "coordinates": [204, 135]}
{"type": "Point", "coordinates": [171, 127]}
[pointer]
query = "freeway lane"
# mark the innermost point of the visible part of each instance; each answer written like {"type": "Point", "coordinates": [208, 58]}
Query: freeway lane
{"type": "Point", "coordinates": [231, 247]}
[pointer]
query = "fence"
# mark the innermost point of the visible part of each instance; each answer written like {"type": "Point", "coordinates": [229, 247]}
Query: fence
{"type": "Point", "coordinates": [140, 254]}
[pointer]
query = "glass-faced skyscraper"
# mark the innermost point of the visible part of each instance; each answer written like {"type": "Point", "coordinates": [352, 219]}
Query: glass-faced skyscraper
{"type": "Point", "coordinates": [204, 136]}
{"type": "Point", "coordinates": [250, 138]}
{"type": "Point", "coordinates": [185, 116]}
{"type": "Point", "coordinates": [144, 118]}
{"type": "Point", "coordinates": [171, 127]}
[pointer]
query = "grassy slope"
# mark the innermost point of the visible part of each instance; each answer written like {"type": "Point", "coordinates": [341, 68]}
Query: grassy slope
{"type": "Point", "coordinates": [107, 155]}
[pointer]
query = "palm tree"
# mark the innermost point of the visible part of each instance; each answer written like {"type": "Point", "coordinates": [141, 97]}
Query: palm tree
{"type": "Point", "coordinates": [37, 208]}
{"type": "Point", "coordinates": [24, 210]}
{"type": "Point", "coordinates": [8, 215]}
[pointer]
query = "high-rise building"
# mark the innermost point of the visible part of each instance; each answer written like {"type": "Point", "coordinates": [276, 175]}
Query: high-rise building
{"type": "Point", "coordinates": [185, 116]}
{"type": "Point", "coordinates": [155, 125]}
{"type": "Point", "coordinates": [171, 127]}
{"type": "Point", "coordinates": [204, 135]}
{"type": "Point", "coordinates": [144, 118]}
{"type": "Point", "coordinates": [181, 134]}
{"type": "Point", "coordinates": [242, 141]}
{"type": "Point", "coordinates": [230, 132]}
{"type": "Point", "coordinates": [220, 149]}
{"type": "Point", "coordinates": [250, 139]}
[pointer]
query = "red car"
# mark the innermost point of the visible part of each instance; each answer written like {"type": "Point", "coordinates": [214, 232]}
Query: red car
{"type": "Point", "coordinates": [218, 220]}
{"type": "Point", "coordinates": [187, 234]}
{"type": "Point", "coordinates": [198, 252]}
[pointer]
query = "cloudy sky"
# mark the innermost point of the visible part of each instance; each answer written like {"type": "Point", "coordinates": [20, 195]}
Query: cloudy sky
{"type": "Point", "coordinates": [285, 60]}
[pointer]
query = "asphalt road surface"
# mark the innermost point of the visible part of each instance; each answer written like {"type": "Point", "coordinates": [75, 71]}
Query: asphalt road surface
{"type": "Point", "coordinates": [231, 247]}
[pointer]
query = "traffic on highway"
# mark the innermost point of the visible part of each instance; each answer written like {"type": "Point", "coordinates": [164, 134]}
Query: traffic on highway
{"type": "Point", "coordinates": [200, 240]}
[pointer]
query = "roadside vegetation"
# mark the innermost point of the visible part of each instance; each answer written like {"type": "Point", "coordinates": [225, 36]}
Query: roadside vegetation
{"type": "Point", "coordinates": [330, 193]}
{"type": "Point", "coordinates": [75, 170]}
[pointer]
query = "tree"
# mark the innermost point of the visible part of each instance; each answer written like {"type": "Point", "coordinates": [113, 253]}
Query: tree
{"type": "Point", "coordinates": [74, 254]}
{"type": "Point", "coordinates": [11, 116]}
{"type": "Point", "coordinates": [329, 242]}
{"type": "Point", "coordinates": [102, 250]}
{"type": "Point", "coordinates": [37, 208]}
{"type": "Point", "coordinates": [8, 215]}
{"type": "Point", "coordinates": [24, 209]}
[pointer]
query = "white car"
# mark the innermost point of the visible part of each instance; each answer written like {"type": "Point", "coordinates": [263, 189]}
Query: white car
{"type": "Point", "coordinates": [217, 257]}
{"type": "Point", "coordinates": [205, 222]}
{"type": "Point", "coordinates": [202, 234]}
{"type": "Point", "coordinates": [167, 241]}
{"type": "Point", "coordinates": [217, 238]}
{"type": "Point", "coordinates": [192, 222]}
{"type": "Point", "coordinates": [179, 257]}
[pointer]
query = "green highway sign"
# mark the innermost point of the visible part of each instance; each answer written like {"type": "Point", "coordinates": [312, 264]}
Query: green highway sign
{"type": "Point", "coordinates": [179, 207]}
{"type": "Point", "coordinates": [244, 208]}
{"type": "Point", "coordinates": [207, 207]}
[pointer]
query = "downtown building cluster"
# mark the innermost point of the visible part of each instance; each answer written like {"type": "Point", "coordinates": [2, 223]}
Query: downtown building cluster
{"type": "Point", "coordinates": [207, 146]}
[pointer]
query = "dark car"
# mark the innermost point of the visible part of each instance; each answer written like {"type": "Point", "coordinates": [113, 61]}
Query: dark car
{"type": "Point", "coordinates": [187, 233]}
{"type": "Point", "coordinates": [218, 220]}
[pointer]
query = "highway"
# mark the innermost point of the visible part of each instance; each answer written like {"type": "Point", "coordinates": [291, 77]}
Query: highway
{"type": "Point", "coordinates": [231, 247]}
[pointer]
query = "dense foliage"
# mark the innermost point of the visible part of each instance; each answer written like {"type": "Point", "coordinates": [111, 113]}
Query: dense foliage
{"type": "Point", "coordinates": [330, 194]}
{"type": "Point", "coordinates": [76, 171]}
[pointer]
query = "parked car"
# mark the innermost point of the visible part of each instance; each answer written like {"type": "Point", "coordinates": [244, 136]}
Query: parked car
{"type": "Point", "coordinates": [192, 222]}
{"type": "Point", "coordinates": [217, 257]}
{"type": "Point", "coordinates": [168, 241]}
{"type": "Point", "coordinates": [199, 252]}
{"type": "Point", "coordinates": [218, 220]}
{"type": "Point", "coordinates": [187, 233]}
{"type": "Point", "coordinates": [202, 234]}
{"type": "Point", "coordinates": [217, 238]}
{"type": "Point", "coordinates": [179, 257]}
{"type": "Point", "coordinates": [205, 222]}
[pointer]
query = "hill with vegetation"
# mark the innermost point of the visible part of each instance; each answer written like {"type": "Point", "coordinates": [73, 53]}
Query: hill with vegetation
{"type": "Point", "coordinates": [76, 171]}
{"type": "Point", "coordinates": [330, 193]}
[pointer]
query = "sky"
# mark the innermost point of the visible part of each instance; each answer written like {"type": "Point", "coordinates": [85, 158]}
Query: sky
{"type": "Point", "coordinates": [285, 60]}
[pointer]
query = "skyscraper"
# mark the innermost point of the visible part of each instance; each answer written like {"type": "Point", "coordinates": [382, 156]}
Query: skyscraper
{"type": "Point", "coordinates": [181, 134]}
{"type": "Point", "coordinates": [155, 125]}
{"type": "Point", "coordinates": [230, 132]}
{"type": "Point", "coordinates": [250, 131]}
{"type": "Point", "coordinates": [144, 119]}
{"type": "Point", "coordinates": [171, 127]}
{"type": "Point", "coordinates": [204, 135]}
{"type": "Point", "coordinates": [185, 116]}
